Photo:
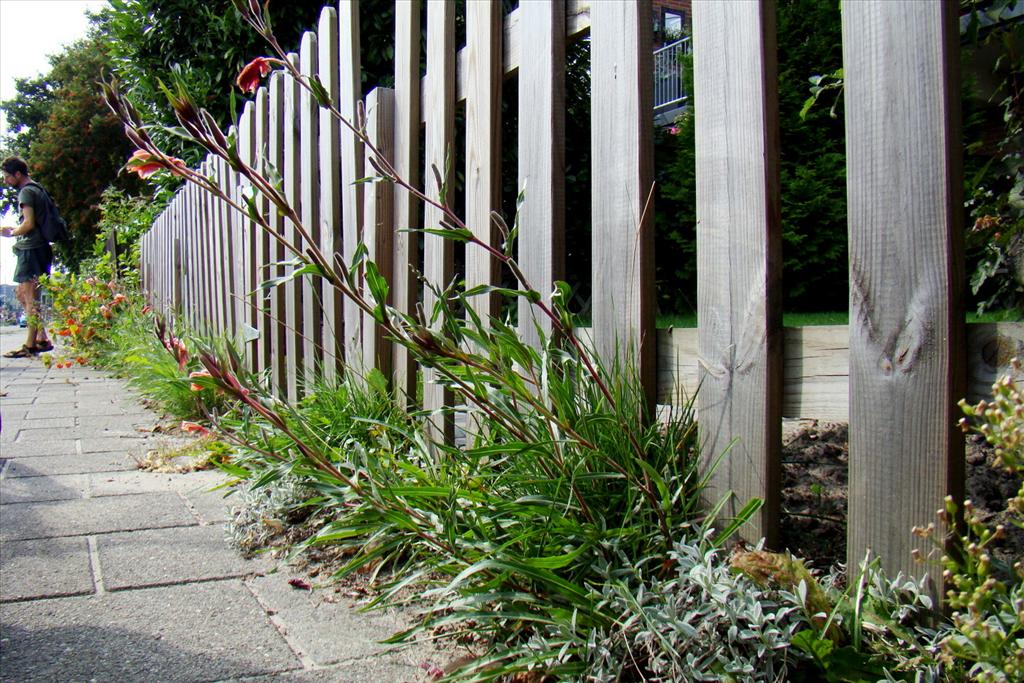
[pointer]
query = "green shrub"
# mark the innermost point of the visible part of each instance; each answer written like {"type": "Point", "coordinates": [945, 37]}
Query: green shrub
{"type": "Point", "coordinates": [987, 594]}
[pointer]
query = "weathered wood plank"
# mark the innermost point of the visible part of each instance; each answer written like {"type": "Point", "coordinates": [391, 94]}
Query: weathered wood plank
{"type": "Point", "coordinates": [541, 242]}
{"type": "Point", "coordinates": [278, 303]}
{"type": "Point", "coordinates": [483, 146]}
{"type": "Point", "coordinates": [817, 361]}
{"type": "Point", "coordinates": [739, 245]}
{"type": "Point", "coordinates": [309, 183]}
{"type": "Point", "coordinates": [438, 253]}
{"type": "Point", "coordinates": [990, 347]}
{"type": "Point", "coordinates": [404, 285]}
{"type": "Point", "coordinates": [906, 273]}
{"type": "Point", "coordinates": [228, 249]}
{"type": "Point", "coordinates": [292, 291]}
{"type": "Point", "coordinates": [379, 221]}
{"type": "Point", "coordinates": [249, 237]}
{"type": "Point", "coordinates": [261, 298]}
{"type": "Point", "coordinates": [216, 227]}
{"type": "Point", "coordinates": [351, 160]}
{"type": "Point", "coordinates": [206, 245]}
{"type": "Point", "coordinates": [328, 68]}
{"type": "Point", "coordinates": [577, 23]}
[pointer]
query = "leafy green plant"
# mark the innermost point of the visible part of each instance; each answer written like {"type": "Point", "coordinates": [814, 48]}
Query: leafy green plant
{"type": "Point", "coordinates": [994, 167]}
{"type": "Point", "coordinates": [565, 468]}
{"type": "Point", "coordinates": [987, 593]}
{"type": "Point", "coordinates": [876, 629]}
{"type": "Point", "coordinates": [84, 309]}
{"type": "Point", "coordinates": [123, 220]}
{"type": "Point", "coordinates": [702, 622]}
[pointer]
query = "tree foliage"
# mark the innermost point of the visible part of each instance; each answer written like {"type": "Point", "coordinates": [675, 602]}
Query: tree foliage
{"type": "Point", "coordinates": [812, 176]}
{"type": "Point", "coordinates": [74, 145]}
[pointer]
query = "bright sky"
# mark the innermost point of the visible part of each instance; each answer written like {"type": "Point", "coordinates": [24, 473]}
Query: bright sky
{"type": "Point", "coordinates": [30, 31]}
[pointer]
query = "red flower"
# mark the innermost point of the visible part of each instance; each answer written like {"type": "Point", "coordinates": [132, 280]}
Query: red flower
{"type": "Point", "coordinates": [146, 309]}
{"type": "Point", "coordinates": [253, 72]}
{"type": "Point", "coordinates": [192, 375]}
{"type": "Point", "coordinates": [194, 428]}
{"type": "Point", "coordinates": [145, 164]}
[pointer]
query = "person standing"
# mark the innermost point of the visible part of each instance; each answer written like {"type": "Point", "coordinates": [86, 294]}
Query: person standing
{"type": "Point", "coordinates": [32, 251]}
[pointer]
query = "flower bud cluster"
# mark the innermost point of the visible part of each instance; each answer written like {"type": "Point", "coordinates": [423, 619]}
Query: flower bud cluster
{"type": "Point", "coordinates": [988, 597]}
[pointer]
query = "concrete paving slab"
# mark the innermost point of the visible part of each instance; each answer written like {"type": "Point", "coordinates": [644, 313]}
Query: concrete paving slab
{"type": "Point", "coordinates": [327, 629]}
{"type": "Point", "coordinates": [45, 568]}
{"type": "Point", "coordinates": [67, 464]}
{"type": "Point", "coordinates": [211, 506]}
{"type": "Point", "coordinates": [47, 423]}
{"type": "Point", "coordinates": [36, 412]}
{"type": "Point", "coordinates": [123, 422]}
{"type": "Point", "coordinates": [94, 444]}
{"type": "Point", "coordinates": [47, 434]}
{"type": "Point", "coordinates": [57, 447]}
{"type": "Point", "coordinates": [40, 489]}
{"type": "Point", "coordinates": [24, 521]}
{"type": "Point", "coordinates": [47, 400]}
{"type": "Point", "coordinates": [361, 671]}
{"type": "Point", "coordinates": [156, 557]}
{"type": "Point", "coordinates": [200, 632]}
{"type": "Point", "coordinates": [15, 400]}
{"type": "Point", "coordinates": [102, 408]}
{"type": "Point", "coordinates": [137, 481]}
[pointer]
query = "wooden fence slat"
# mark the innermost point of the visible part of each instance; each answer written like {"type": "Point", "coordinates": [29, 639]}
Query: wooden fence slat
{"type": "Point", "coordinates": [351, 160]}
{"type": "Point", "coordinates": [904, 184]}
{"type": "Point", "coordinates": [225, 223]}
{"type": "Point", "coordinates": [249, 236]}
{"type": "Point", "coordinates": [379, 221]}
{"type": "Point", "coordinates": [236, 244]}
{"type": "Point", "coordinates": [404, 284]}
{"type": "Point", "coordinates": [438, 252]}
{"type": "Point", "coordinates": [209, 246]}
{"type": "Point", "coordinates": [577, 23]}
{"type": "Point", "coordinates": [623, 173]}
{"type": "Point", "coordinates": [203, 249]}
{"type": "Point", "coordinates": [216, 231]}
{"type": "Point", "coordinates": [541, 242]}
{"type": "Point", "coordinates": [483, 146]}
{"type": "Point", "coordinates": [328, 67]}
{"type": "Point", "coordinates": [188, 211]}
{"type": "Point", "coordinates": [739, 244]}
{"type": "Point", "coordinates": [309, 182]}
{"type": "Point", "coordinates": [292, 290]}
{"type": "Point", "coordinates": [178, 217]}
{"type": "Point", "coordinates": [278, 303]}
{"type": "Point", "coordinates": [261, 298]}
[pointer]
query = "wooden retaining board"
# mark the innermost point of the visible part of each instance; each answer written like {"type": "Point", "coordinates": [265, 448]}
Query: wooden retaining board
{"type": "Point", "coordinates": [816, 366]}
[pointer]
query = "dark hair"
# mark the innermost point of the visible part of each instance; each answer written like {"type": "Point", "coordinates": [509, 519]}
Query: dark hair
{"type": "Point", "coordinates": [14, 165]}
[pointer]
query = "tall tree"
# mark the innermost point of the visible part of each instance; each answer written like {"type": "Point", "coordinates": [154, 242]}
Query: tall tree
{"type": "Point", "coordinates": [205, 41]}
{"type": "Point", "coordinates": [74, 145]}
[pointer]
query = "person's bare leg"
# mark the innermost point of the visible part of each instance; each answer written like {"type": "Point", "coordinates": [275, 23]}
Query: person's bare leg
{"type": "Point", "coordinates": [25, 294]}
{"type": "Point", "coordinates": [40, 328]}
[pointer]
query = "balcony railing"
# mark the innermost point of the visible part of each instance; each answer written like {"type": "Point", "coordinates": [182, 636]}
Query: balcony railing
{"type": "Point", "coordinates": [668, 75]}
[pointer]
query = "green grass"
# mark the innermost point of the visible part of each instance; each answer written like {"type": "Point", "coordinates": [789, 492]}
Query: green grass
{"type": "Point", "coordinates": [832, 318]}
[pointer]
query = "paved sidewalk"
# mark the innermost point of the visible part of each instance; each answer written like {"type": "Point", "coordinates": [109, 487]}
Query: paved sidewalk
{"type": "Point", "coordinates": [108, 573]}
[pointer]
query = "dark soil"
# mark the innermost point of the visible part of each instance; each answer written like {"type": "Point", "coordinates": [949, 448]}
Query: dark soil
{"type": "Point", "coordinates": [815, 463]}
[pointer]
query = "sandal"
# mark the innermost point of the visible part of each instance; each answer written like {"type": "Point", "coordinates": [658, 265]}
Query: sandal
{"type": "Point", "coordinates": [42, 347]}
{"type": "Point", "coordinates": [23, 352]}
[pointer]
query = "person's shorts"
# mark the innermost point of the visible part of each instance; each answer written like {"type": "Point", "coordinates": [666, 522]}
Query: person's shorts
{"type": "Point", "coordinates": [32, 263]}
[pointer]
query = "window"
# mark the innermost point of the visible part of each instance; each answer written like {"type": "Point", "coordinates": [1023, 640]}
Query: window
{"type": "Point", "coordinates": [668, 25]}
{"type": "Point", "coordinates": [672, 24]}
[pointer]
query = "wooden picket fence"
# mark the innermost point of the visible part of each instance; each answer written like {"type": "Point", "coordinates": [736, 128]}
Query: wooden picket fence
{"type": "Point", "coordinates": [895, 373]}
